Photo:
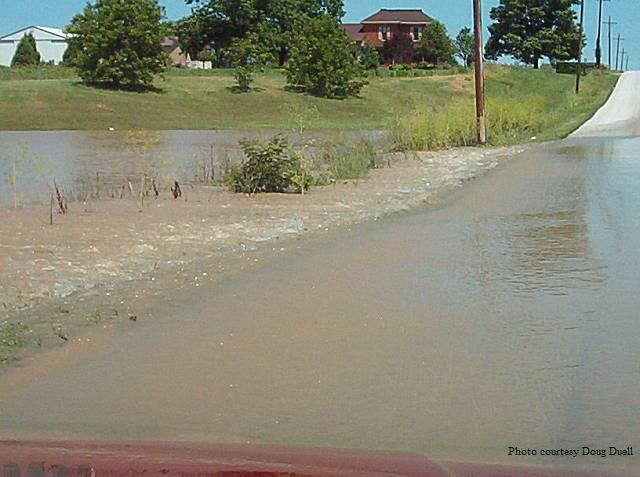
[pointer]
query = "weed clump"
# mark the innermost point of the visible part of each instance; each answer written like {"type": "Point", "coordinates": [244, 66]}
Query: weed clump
{"type": "Point", "coordinates": [348, 161]}
{"type": "Point", "coordinates": [13, 336]}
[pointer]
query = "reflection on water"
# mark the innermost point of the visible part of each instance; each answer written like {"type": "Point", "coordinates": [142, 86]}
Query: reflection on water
{"type": "Point", "coordinates": [507, 318]}
{"type": "Point", "coordinates": [102, 164]}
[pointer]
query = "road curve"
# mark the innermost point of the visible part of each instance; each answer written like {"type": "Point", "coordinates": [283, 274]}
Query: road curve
{"type": "Point", "coordinates": [620, 116]}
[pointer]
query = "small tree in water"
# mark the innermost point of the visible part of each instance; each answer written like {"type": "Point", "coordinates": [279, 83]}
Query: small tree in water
{"type": "Point", "coordinates": [26, 53]}
{"type": "Point", "coordinates": [270, 166]}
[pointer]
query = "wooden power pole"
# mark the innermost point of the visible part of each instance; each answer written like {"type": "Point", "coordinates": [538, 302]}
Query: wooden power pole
{"type": "Point", "coordinates": [579, 65]}
{"type": "Point", "coordinates": [599, 36]}
{"type": "Point", "coordinates": [481, 124]}
{"type": "Point", "coordinates": [609, 24]}
{"type": "Point", "coordinates": [620, 39]}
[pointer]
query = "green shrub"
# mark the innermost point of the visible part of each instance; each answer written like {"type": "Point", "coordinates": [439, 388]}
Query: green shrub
{"type": "Point", "coordinates": [369, 57]}
{"type": "Point", "coordinates": [269, 166]}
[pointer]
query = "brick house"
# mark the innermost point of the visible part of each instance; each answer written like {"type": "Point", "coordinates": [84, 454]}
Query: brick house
{"type": "Point", "coordinates": [387, 25]}
{"type": "Point", "coordinates": [173, 49]}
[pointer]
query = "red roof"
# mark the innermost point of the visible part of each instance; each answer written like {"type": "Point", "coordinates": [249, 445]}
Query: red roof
{"type": "Point", "coordinates": [399, 16]}
{"type": "Point", "coordinates": [354, 30]}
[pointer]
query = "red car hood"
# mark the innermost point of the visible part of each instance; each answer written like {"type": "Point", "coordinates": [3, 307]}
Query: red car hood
{"type": "Point", "coordinates": [89, 459]}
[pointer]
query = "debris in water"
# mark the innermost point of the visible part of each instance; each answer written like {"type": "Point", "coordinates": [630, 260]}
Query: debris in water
{"type": "Point", "coordinates": [58, 332]}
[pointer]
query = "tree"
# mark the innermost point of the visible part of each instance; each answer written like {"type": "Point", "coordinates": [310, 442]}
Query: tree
{"type": "Point", "coordinates": [435, 46]}
{"type": "Point", "coordinates": [321, 60]}
{"type": "Point", "coordinates": [219, 22]}
{"type": "Point", "coordinates": [465, 46]}
{"type": "Point", "coordinates": [26, 53]}
{"type": "Point", "coordinates": [193, 35]}
{"type": "Point", "coordinates": [245, 55]}
{"type": "Point", "coordinates": [119, 42]}
{"type": "Point", "coordinates": [369, 57]}
{"type": "Point", "coordinates": [530, 30]}
{"type": "Point", "coordinates": [398, 49]}
{"type": "Point", "coordinates": [70, 55]}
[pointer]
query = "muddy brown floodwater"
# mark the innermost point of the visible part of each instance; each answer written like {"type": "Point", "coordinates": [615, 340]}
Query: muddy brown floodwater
{"type": "Point", "coordinates": [506, 317]}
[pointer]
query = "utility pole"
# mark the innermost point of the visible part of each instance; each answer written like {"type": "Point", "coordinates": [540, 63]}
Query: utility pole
{"type": "Point", "coordinates": [627, 65]}
{"type": "Point", "coordinates": [610, 23]}
{"type": "Point", "coordinates": [622, 61]}
{"type": "Point", "coordinates": [618, 50]}
{"type": "Point", "coordinates": [479, 73]}
{"type": "Point", "coordinates": [579, 65]}
{"type": "Point", "coordinates": [598, 42]}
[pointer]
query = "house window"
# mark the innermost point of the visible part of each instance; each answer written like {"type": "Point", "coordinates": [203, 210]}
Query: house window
{"type": "Point", "coordinates": [384, 31]}
{"type": "Point", "coordinates": [416, 33]}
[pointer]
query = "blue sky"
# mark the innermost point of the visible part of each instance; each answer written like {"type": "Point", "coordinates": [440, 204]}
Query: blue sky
{"type": "Point", "coordinates": [14, 14]}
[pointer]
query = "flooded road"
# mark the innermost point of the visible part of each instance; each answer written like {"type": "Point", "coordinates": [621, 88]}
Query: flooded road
{"type": "Point", "coordinates": [507, 317]}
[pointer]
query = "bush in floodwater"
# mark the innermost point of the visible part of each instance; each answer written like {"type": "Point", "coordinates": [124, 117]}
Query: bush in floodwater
{"type": "Point", "coordinates": [454, 125]}
{"type": "Point", "coordinates": [269, 166]}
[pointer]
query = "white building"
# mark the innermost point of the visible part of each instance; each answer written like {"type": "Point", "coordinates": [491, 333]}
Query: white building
{"type": "Point", "coordinates": [50, 42]}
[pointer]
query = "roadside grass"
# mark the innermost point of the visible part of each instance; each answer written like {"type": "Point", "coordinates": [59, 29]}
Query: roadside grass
{"type": "Point", "coordinates": [522, 105]}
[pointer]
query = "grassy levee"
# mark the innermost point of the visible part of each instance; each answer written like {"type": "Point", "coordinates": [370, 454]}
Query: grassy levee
{"type": "Point", "coordinates": [425, 112]}
{"type": "Point", "coordinates": [203, 100]}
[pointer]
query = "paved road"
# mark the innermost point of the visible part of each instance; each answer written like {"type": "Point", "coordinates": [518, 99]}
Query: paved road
{"type": "Point", "coordinates": [620, 116]}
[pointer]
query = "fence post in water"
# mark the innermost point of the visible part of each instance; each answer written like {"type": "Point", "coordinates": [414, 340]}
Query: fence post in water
{"type": "Point", "coordinates": [479, 73]}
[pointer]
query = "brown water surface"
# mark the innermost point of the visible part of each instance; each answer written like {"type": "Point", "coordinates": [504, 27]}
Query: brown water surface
{"type": "Point", "coordinates": [508, 317]}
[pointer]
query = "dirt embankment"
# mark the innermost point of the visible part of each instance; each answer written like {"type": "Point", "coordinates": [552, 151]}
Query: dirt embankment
{"type": "Point", "coordinates": [105, 242]}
